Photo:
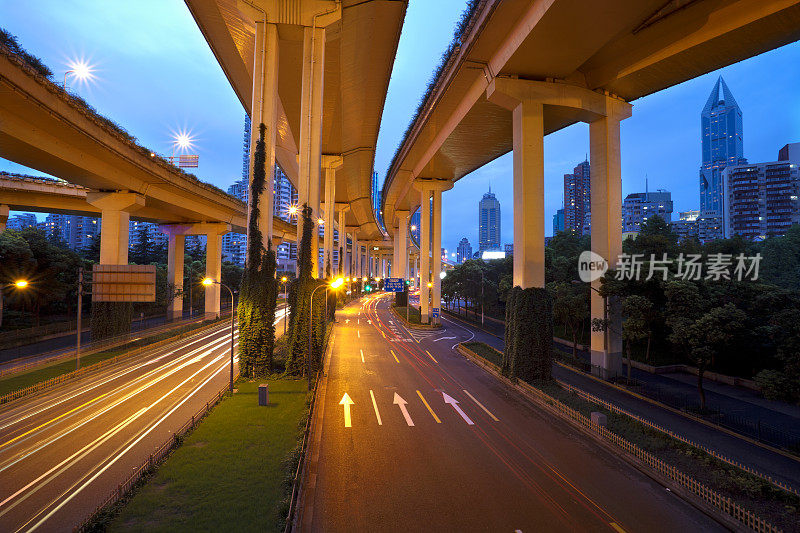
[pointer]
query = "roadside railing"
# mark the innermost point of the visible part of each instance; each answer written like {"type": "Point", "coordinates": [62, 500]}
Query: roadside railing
{"type": "Point", "coordinates": [156, 457]}
{"type": "Point", "coordinates": [614, 409]}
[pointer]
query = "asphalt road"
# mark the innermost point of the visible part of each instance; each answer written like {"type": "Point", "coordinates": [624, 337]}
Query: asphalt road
{"type": "Point", "coordinates": [63, 452]}
{"type": "Point", "coordinates": [431, 442]}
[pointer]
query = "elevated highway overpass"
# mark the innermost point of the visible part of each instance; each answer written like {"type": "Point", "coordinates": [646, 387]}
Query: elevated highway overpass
{"type": "Point", "coordinates": [315, 72]}
{"type": "Point", "coordinates": [521, 69]}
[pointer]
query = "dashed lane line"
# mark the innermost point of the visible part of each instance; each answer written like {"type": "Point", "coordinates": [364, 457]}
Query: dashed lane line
{"type": "Point", "coordinates": [375, 406]}
{"type": "Point", "coordinates": [481, 405]}
{"type": "Point", "coordinates": [421, 397]}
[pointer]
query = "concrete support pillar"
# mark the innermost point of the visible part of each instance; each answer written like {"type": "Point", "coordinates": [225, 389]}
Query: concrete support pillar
{"type": "Point", "coordinates": [115, 209]}
{"type": "Point", "coordinates": [264, 111]}
{"type": "Point", "coordinates": [4, 211]}
{"type": "Point", "coordinates": [355, 254]}
{"type": "Point", "coordinates": [606, 202]}
{"type": "Point", "coordinates": [528, 127]}
{"type": "Point", "coordinates": [175, 255]}
{"type": "Point", "coordinates": [329, 163]}
{"type": "Point", "coordinates": [424, 253]}
{"type": "Point", "coordinates": [436, 300]}
{"type": "Point", "coordinates": [400, 261]}
{"type": "Point", "coordinates": [311, 132]}
{"type": "Point", "coordinates": [343, 269]}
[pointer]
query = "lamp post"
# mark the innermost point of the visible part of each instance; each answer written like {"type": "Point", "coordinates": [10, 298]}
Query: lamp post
{"type": "Point", "coordinates": [335, 284]}
{"type": "Point", "coordinates": [19, 284]}
{"type": "Point", "coordinates": [284, 279]}
{"type": "Point", "coordinates": [207, 282]}
{"type": "Point", "coordinates": [78, 325]}
{"type": "Point", "coordinates": [79, 69]}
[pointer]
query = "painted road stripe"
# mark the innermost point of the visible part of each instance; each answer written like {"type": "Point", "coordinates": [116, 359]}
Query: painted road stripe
{"type": "Point", "coordinates": [480, 405]}
{"type": "Point", "coordinates": [395, 357]}
{"type": "Point", "coordinates": [617, 527]}
{"type": "Point", "coordinates": [421, 397]}
{"type": "Point", "coordinates": [429, 355]}
{"type": "Point", "coordinates": [362, 356]}
{"type": "Point", "coordinates": [358, 331]}
{"type": "Point", "coordinates": [375, 405]}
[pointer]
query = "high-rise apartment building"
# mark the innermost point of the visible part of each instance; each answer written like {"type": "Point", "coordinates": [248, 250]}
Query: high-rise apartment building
{"type": "Point", "coordinates": [687, 225]}
{"type": "Point", "coordinates": [138, 230]}
{"type": "Point", "coordinates": [464, 251]}
{"type": "Point", "coordinates": [722, 144]}
{"type": "Point", "coordinates": [639, 206]}
{"type": "Point", "coordinates": [762, 200]}
{"type": "Point", "coordinates": [488, 222]}
{"type": "Point", "coordinates": [577, 199]}
{"type": "Point", "coordinates": [76, 231]}
{"type": "Point", "coordinates": [19, 221]}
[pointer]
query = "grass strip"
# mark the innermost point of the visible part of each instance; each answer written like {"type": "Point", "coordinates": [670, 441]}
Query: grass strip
{"type": "Point", "coordinates": [779, 507]}
{"type": "Point", "coordinates": [21, 380]}
{"type": "Point", "coordinates": [413, 314]}
{"type": "Point", "coordinates": [233, 472]}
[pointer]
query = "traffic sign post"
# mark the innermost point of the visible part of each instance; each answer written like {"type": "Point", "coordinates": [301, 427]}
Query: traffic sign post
{"type": "Point", "coordinates": [394, 285]}
{"type": "Point", "coordinates": [435, 312]}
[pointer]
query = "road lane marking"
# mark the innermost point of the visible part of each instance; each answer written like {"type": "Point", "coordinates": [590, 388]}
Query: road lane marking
{"type": "Point", "coordinates": [401, 403]}
{"type": "Point", "coordinates": [395, 357]}
{"type": "Point", "coordinates": [362, 356]}
{"type": "Point", "coordinates": [481, 405]}
{"type": "Point", "coordinates": [421, 397]}
{"type": "Point", "coordinates": [429, 355]}
{"type": "Point", "coordinates": [375, 405]}
{"type": "Point", "coordinates": [452, 401]}
{"type": "Point", "coordinates": [346, 402]}
{"type": "Point", "coordinates": [442, 339]}
{"type": "Point", "coordinates": [40, 426]}
{"type": "Point", "coordinates": [358, 331]}
{"type": "Point", "coordinates": [617, 527]}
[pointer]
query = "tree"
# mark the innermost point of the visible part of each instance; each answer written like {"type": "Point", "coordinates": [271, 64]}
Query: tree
{"type": "Point", "coordinates": [16, 262]}
{"type": "Point", "coordinates": [636, 326]}
{"type": "Point", "coordinates": [783, 383]}
{"type": "Point", "coordinates": [259, 288]}
{"type": "Point", "coordinates": [711, 336]}
{"type": "Point", "coordinates": [570, 307]}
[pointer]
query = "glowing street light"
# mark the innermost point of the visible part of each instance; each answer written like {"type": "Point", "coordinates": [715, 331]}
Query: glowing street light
{"type": "Point", "coordinates": [80, 70]}
{"type": "Point", "coordinates": [207, 282]}
{"type": "Point", "coordinates": [292, 210]}
{"type": "Point", "coordinates": [21, 283]}
{"type": "Point", "coordinates": [413, 228]}
{"type": "Point", "coordinates": [320, 222]}
{"type": "Point", "coordinates": [335, 284]}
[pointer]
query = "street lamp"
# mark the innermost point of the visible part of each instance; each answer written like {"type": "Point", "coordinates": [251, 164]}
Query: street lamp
{"type": "Point", "coordinates": [284, 279]}
{"type": "Point", "coordinates": [335, 284]}
{"type": "Point", "coordinates": [208, 282]}
{"type": "Point", "coordinates": [80, 70]}
{"type": "Point", "coordinates": [19, 284]}
{"type": "Point", "coordinates": [292, 210]}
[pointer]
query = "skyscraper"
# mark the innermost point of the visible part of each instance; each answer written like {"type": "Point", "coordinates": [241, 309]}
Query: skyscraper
{"type": "Point", "coordinates": [577, 198]}
{"type": "Point", "coordinates": [464, 251]}
{"type": "Point", "coordinates": [558, 221]}
{"type": "Point", "coordinates": [489, 222]}
{"type": "Point", "coordinates": [19, 221]}
{"type": "Point", "coordinates": [722, 143]}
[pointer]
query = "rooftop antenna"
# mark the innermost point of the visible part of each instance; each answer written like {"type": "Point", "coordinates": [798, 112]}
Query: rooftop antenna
{"type": "Point", "coordinates": [646, 189]}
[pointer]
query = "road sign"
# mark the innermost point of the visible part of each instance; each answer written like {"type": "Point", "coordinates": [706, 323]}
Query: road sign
{"type": "Point", "coordinates": [394, 285]}
{"type": "Point", "coordinates": [435, 312]}
{"type": "Point", "coordinates": [124, 283]}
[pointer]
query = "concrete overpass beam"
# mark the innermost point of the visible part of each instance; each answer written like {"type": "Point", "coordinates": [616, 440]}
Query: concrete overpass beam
{"type": "Point", "coordinates": [115, 211]}
{"type": "Point", "coordinates": [264, 111]}
{"type": "Point", "coordinates": [311, 132]}
{"type": "Point", "coordinates": [4, 211]}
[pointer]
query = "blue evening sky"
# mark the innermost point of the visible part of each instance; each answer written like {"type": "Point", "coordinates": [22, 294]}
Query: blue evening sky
{"type": "Point", "coordinates": [156, 75]}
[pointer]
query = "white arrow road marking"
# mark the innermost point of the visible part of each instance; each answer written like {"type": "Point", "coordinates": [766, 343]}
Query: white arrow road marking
{"type": "Point", "coordinates": [401, 403]}
{"type": "Point", "coordinates": [346, 320]}
{"type": "Point", "coordinates": [452, 401]}
{"type": "Point", "coordinates": [442, 339]}
{"type": "Point", "coordinates": [347, 402]}
{"type": "Point", "coordinates": [375, 405]}
{"type": "Point", "coordinates": [369, 321]}
{"type": "Point", "coordinates": [362, 355]}
{"type": "Point", "coordinates": [481, 405]}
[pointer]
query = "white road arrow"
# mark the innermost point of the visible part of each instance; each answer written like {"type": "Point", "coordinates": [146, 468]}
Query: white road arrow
{"type": "Point", "coordinates": [347, 402]}
{"type": "Point", "coordinates": [401, 403]}
{"type": "Point", "coordinates": [452, 401]}
{"type": "Point", "coordinates": [442, 338]}
{"type": "Point", "coordinates": [346, 320]}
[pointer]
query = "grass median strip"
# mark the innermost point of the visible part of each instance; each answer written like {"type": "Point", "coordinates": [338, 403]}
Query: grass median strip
{"type": "Point", "coordinates": [21, 380]}
{"type": "Point", "coordinates": [779, 507]}
{"type": "Point", "coordinates": [232, 473]}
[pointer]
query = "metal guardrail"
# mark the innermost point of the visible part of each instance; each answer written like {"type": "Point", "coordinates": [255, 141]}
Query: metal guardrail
{"type": "Point", "coordinates": [157, 456]}
{"type": "Point", "coordinates": [703, 492]}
